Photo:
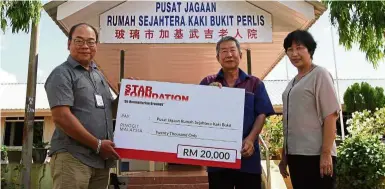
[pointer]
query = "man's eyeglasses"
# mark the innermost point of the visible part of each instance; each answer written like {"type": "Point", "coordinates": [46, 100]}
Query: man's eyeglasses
{"type": "Point", "coordinates": [80, 42]}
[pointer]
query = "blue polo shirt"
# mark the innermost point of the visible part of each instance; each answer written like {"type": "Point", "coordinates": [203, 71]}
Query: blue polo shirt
{"type": "Point", "coordinates": [257, 102]}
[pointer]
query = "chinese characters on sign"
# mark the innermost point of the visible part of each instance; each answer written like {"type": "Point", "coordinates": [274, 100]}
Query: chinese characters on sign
{"type": "Point", "coordinates": [178, 34]}
{"type": "Point", "coordinates": [185, 22]}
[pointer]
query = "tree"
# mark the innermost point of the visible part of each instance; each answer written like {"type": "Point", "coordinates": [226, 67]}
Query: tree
{"type": "Point", "coordinates": [361, 22]}
{"type": "Point", "coordinates": [363, 97]}
{"type": "Point", "coordinates": [21, 16]}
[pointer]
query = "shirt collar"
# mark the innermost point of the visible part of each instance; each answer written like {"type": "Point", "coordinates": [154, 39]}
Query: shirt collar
{"type": "Point", "coordinates": [75, 63]}
{"type": "Point", "coordinates": [242, 75]}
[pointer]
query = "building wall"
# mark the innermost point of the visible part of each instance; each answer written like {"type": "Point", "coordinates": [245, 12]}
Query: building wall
{"type": "Point", "coordinates": [180, 63]}
{"type": "Point", "coordinates": [49, 128]}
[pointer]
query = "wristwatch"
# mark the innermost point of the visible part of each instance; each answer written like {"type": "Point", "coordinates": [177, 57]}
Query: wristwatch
{"type": "Point", "coordinates": [99, 145]}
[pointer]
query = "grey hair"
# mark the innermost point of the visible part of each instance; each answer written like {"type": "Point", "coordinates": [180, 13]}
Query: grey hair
{"type": "Point", "coordinates": [228, 38]}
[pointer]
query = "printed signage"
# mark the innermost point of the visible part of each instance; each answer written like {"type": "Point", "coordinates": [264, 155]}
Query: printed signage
{"type": "Point", "coordinates": [185, 22]}
{"type": "Point", "coordinates": [180, 123]}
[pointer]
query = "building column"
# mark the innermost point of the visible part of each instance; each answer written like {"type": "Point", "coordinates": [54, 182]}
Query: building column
{"type": "Point", "coordinates": [48, 128]}
{"type": "Point", "coordinates": [151, 165]}
{"type": "Point", "coordinates": [2, 129]}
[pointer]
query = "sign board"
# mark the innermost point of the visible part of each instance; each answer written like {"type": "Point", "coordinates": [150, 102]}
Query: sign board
{"type": "Point", "coordinates": [185, 22]}
{"type": "Point", "coordinates": [180, 123]}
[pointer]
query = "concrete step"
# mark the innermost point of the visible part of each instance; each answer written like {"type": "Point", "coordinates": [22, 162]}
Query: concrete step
{"type": "Point", "coordinates": [196, 179]}
{"type": "Point", "coordinates": [170, 186]}
{"type": "Point", "coordinates": [167, 180]}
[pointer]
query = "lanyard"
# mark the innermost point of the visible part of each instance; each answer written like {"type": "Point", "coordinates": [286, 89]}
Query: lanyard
{"type": "Point", "coordinates": [91, 79]}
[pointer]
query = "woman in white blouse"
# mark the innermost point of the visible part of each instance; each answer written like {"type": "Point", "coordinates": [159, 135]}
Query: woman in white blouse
{"type": "Point", "coordinates": [310, 112]}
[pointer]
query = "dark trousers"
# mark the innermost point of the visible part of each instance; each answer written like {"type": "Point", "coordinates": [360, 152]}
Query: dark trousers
{"type": "Point", "coordinates": [305, 173]}
{"type": "Point", "coordinates": [228, 179]}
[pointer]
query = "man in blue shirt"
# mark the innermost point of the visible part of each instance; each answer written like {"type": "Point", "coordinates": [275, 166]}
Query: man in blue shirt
{"type": "Point", "coordinates": [257, 108]}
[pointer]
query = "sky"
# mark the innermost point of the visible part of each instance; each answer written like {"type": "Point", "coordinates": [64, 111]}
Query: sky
{"type": "Point", "coordinates": [351, 64]}
{"type": "Point", "coordinates": [52, 52]}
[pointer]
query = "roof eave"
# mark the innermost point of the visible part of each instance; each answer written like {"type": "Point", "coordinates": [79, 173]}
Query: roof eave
{"type": "Point", "coordinates": [51, 9]}
{"type": "Point", "coordinates": [320, 9]}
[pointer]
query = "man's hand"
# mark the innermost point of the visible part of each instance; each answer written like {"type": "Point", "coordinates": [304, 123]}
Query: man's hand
{"type": "Point", "coordinates": [216, 84]}
{"type": "Point", "coordinates": [283, 168]}
{"type": "Point", "coordinates": [247, 148]}
{"type": "Point", "coordinates": [107, 150]}
{"type": "Point", "coordinates": [326, 165]}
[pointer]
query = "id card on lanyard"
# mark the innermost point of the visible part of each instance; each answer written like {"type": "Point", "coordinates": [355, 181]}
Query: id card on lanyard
{"type": "Point", "coordinates": [99, 103]}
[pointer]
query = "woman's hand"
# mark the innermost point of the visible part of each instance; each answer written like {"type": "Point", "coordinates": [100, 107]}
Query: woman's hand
{"type": "Point", "coordinates": [326, 165]}
{"type": "Point", "coordinates": [283, 168]}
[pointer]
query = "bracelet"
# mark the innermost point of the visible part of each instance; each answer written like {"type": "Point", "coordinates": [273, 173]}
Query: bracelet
{"type": "Point", "coordinates": [99, 144]}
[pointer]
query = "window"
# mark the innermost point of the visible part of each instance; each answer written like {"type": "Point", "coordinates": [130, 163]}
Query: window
{"type": "Point", "coordinates": [14, 126]}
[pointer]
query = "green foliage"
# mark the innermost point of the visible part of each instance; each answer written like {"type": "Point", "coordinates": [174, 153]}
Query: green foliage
{"type": "Point", "coordinates": [4, 148]}
{"type": "Point", "coordinates": [14, 182]}
{"type": "Point", "coordinates": [361, 22]}
{"type": "Point", "coordinates": [367, 123]}
{"type": "Point", "coordinates": [361, 157]}
{"type": "Point", "coordinates": [19, 14]}
{"type": "Point", "coordinates": [380, 96]}
{"type": "Point", "coordinates": [363, 97]}
{"type": "Point", "coordinates": [4, 152]}
{"type": "Point", "coordinates": [4, 170]}
{"type": "Point", "coordinates": [273, 135]}
{"type": "Point", "coordinates": [361, 163]}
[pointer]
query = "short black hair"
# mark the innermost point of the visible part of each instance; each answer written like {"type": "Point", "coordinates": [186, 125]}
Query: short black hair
{"type": "Point", "coordinates": [80, 24]}
{"type": "Point", "coordinates": [302, 37]}
{"type": "Point", "coordinates": [228, 38]}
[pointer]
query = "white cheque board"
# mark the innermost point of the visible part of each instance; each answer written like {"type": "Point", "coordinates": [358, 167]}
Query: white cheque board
{"type": "Point", "coordinates": [180, 123]}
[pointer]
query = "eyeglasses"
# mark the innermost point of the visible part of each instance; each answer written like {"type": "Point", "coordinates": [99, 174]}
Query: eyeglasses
{"type": "Point", "coordinates": [81, 42]}
{"type": "Point", "coordinates": [299, 49]}
{"type": "Point", "coordinates": [226, 51]}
